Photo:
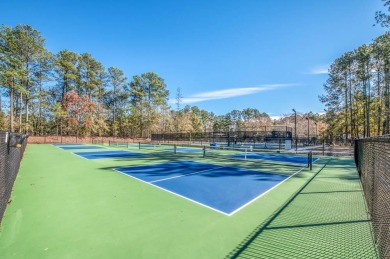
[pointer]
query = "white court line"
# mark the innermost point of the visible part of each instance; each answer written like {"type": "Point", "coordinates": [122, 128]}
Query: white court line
{"type": "Point", "coordinates": [181, 196]}
{"type": "Point", "coordinates": [178, 176]}
{"type": "Point", "coordinates": [79, 156]}
{"type": "Point", "coordinates": [79, 149]}
{"type": "Point", "coordinates": [316, 160]}
{"type": "Point", "coordinates": [251, 201]}
{"type": "Point", "coordinates": [59, 147]}
{"type": "Point", "coordinates": [271, 161]}
{"type": "Point", "coordinates": [123, 151]}
{"type": "Point", "coordinates": [227, 214]}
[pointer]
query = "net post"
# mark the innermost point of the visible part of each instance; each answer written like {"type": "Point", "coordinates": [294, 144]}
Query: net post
{"type": "Point", "coordinates": [139, 145]}
{"type": "Point", "coordinates": [204, 151]}
{"type": "Point", "coordinates": [245, 153]}
{"type": "Point", "coordinates": [311, 160]}
{"type": "Point", "coordinates": [308, 159]}
{"type": "Point", "coordinates": [174, 148]}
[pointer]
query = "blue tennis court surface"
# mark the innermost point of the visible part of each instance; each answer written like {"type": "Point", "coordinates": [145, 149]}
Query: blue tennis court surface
{"type": "Point", "coordinates": [277, 158]}
{"type": "Point", "coordinates": [185, 149]}
{"type": "Point", "coordinates": [257, 145]}
{"type": "Point", "coordinates": [188, 150]}
{"type": "Point", "coordinates": [79, 147]}
{"type": "Point", "coordinates": [221, 188]}
{"type": "Point", "coordinates": [108, 154]}
{"type": "Point", "coordinates": [178, 149]}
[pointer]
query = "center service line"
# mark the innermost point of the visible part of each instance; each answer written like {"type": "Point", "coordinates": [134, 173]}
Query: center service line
{"type": "Point", "coordinates": [185, 175]}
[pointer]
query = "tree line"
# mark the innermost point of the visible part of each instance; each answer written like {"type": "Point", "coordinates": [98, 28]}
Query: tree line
{"type": "Point", "coordinates": [357, 90]}
{"type": "Point", "coordinates": [69, 93]}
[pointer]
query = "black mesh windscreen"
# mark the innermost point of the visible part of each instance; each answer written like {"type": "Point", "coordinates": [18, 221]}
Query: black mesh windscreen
{"type": "Point", "coordinates": [12, 147]}
{"type": "Point", "coordinates": [372, 157]}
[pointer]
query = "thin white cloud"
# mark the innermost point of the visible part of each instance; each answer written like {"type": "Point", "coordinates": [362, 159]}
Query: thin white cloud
{"type": "Point", "coordinates": [229, 93]}
{"type": "Point", "coordinates": [319, 70]}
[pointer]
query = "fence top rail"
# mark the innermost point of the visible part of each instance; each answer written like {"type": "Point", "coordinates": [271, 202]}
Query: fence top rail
{"type": "Point", "coordinates": [384, 138]}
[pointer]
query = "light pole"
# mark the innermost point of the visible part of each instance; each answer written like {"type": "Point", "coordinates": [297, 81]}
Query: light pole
{"type": "Point", "coordinates": [295, 129]}
{"type": "Point", "coordinates": [308, 130]}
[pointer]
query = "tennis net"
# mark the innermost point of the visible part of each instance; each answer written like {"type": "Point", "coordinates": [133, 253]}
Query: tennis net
{"type": "Point", "coordinates": [113, 143]}
{"type": "Point", "coordinates": [97, 141]}
{"type": "Point", "coordinates": [234, 155]}
{"type": "Point", "coordinates": [249, 154]}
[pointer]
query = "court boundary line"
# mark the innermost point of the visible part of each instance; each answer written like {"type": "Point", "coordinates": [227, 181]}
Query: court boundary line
{"type": "Point", "coordinates": [271, 161]}
{"type": "Point", "coordinates": [59, 147]}
{"type": "Point", "coordinates": [178, 176]}
{"type": "Point", "coordinates": [253, 200]}
{"type": "Point", "coordinates": [204, 205]}
{"type": "Point", "coordinates": [107, 157]}
{"type": "Point", "coordinates": [178, 150]}
{"type": "Point", "coordinates": [171, 192]}
{"type": "Point", "coordinates": [79, 155]}
{"type": "Point", "coordinates": [250, 161]}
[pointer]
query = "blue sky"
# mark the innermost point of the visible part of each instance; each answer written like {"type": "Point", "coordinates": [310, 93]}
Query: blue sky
{"type": "Point", "coordinates": [224, 55]}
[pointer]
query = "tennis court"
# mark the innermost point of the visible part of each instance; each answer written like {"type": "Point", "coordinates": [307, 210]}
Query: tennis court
{"type": "Point", "coordinates": [65, 145]}
{"type": "Point", "coordinates": [81, 147]}
{"type": "Point", "coordinates": [221, 188]}
{"type": "Point", "coordinates": [136, 202]}
{"type": "Point", "coordinates": [275, 157]}
{"type": "Point", "coordinates": [171, 148]}
{"type": "Point", "coordinates": [108, 154]}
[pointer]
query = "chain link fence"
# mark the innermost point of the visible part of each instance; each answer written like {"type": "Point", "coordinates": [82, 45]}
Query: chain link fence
{"type": "Point", "coordinates": [372, 157]}
{"type": "Point", "coordinates": [271, 135]}
{"type": "Point", "coordinates": [12, 147]}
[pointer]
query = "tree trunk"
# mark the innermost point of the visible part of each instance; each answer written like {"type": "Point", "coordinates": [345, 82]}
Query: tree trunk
{"type": "Point", "coordinates": [379, 120]}
{"type": "Point", "coordinates": [346, 114]}
{"type": "Point", "coordinates": [64, 89]}
{"type": "Point", "coordinates": [113, 112]}
{"type": "Point", "coordinates": [27, 100]}
{"type": "Point", "coordinates": [40, 108]}
{"type": "Point", "coordinates": [27, 121]}
{"type": "Point", "coordinates": [351, 109]}
{"type": "Point", "coordinates": [20, 111]}
{"type": "Point", "coordinates": [11, 100]}
{"type": "Point", "coordinates": [364, 108]}
{"type": "Point", "coordinates": [386, 123]}
{"type": "Point", "coordinates": [368, 107]}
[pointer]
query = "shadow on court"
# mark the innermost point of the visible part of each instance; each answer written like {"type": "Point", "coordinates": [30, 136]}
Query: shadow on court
{"type": "Point", "coordinates": [159, 157]}
{"type": "Point", "coordinates": [326, 218]}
